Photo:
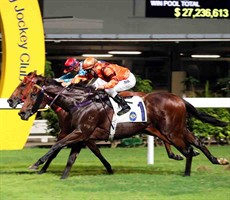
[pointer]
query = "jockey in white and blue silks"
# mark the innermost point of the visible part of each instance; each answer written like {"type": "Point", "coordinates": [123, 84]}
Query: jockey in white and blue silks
{"type": "Point", "coordinates": [74, 72]}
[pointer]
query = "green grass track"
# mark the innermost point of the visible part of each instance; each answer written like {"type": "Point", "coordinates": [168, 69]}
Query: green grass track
{"type": "Point", "coordinates": [133, 179]}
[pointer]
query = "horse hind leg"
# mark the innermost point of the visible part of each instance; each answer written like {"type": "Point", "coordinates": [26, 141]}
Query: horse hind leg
{"type": "Point", "coordinates": [198, 144]}
{"type": "Point", "coordinates": [188, 164]}
{"type": "Point", "coordinates": [170, 153]}
{"type": "Point", "coordinates": [93, 147]}
{"type": "Point", "coordinates": [179, 141]}
{"type": "Point", "coordinates": [155, 132]}
{"type": "Point", "coordinates": [75, 150]}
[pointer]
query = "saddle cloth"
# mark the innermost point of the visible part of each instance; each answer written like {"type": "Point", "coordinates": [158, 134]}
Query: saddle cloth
{"type": "Point", "coordinates": [137, 113]}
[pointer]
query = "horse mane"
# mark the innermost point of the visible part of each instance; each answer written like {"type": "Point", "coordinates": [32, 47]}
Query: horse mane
{"type": "Point", "coordinates": [84, 89]}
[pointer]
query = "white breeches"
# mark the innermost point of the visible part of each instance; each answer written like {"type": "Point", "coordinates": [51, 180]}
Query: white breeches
{"type": "Point", "coordinates": [121, 86]}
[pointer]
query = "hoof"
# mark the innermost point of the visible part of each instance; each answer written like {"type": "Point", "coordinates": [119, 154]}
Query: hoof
{"type": "Point", "coordinates": [33, 167]}
{"type": "Point", "coordinates": [63, 177]}
{"type": "Point", "coordinates": [41, 172]}
{"type": "Point", "coordinates": [187, 175]}
{"type": "Point", "coordinates": [195, 153]}
{"type": "Point", "coordinates": [179, 157]}
{"type": "Point", "coordinates": [223, 161]}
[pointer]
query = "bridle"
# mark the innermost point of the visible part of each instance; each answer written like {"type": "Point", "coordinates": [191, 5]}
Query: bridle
{"type": "Point", "coordinates": [29, 82]}
{"type": "Point", "coordinates": [53, 99]}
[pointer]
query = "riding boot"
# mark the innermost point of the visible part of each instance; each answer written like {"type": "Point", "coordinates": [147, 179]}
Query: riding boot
{"type": "Point", "coordinates": [123, 104]}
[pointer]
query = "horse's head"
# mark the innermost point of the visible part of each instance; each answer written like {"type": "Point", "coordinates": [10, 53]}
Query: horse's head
{"type": "Point", "coordinates": [51, 92]}
{"type": "Point", "coordinates": [22, 90]}
{"type": "Point", "coordinates": [37, 97]}
{"type": "Point", "coordinates": [35, 100]}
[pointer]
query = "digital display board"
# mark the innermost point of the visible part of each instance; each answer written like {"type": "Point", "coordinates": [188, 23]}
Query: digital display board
{"type": "Point", "coordinates": [210, 9]}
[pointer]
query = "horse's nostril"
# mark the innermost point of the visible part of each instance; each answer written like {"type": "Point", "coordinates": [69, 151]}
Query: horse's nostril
{"type": "Point", "coordinates": [10, 101]}
{"type": "Point", "coordinates": [21, 114]}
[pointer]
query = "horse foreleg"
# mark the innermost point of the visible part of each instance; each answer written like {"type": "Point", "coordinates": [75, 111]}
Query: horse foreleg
{"type": "Point", "coordinates": [73, 137]}
{"type": "Point", "coordinates": [75, 150]}
{"type": "Point", "coordinates": [157, 133]}
{"type": "Point", "coordinates": [56, 147]}
{"type": "Point", "coordinates": [93, 147]}
{"type": "Point", "coordinates": [47, 164]}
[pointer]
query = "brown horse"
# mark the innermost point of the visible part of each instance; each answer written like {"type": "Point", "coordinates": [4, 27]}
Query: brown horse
{"type": "Point", "coordinates": [20, 94]}
{"type": "Point", "coordinates": [22, 91]}
{"type": "Point", "coordinates": [166, 115]}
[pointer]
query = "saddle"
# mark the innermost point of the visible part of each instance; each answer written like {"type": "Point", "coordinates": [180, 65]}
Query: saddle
{"type": "Point", "coordinates": [137, 113]}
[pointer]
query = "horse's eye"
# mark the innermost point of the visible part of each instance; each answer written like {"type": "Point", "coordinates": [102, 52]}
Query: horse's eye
{"type": "Point", "coordinates": [33, 94]}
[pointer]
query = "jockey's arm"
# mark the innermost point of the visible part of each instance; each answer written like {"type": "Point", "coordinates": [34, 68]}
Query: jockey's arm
{"type": "Point", "coordinates": [111, 75]}
{"type": "Point", "coordinates": [78, 79]}
{"type": "Point", "coordinates": [65, 78]}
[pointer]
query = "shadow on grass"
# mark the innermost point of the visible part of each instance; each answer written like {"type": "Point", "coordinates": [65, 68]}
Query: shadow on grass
{"type": "Point", "coordinates": [97, 170]}
{"type": "Point", "coordinates": [93, 170]}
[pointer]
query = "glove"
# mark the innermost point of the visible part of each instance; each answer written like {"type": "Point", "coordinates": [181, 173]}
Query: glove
{"type": "Point", "coordinates": [58, 80]}
{"type": "Point", "coordinates": [64, 84]}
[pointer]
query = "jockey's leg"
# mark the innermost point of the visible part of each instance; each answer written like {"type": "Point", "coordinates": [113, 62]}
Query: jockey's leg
{"type": "Point", "coordinates": [119, 100]}
{"type": "Point", "coordinates": [122, 103]}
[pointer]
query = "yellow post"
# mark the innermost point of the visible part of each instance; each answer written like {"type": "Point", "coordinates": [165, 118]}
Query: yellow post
{"type": "Point", "coordinates": [23, 51]}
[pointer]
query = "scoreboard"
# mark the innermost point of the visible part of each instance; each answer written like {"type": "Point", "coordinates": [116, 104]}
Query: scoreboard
{"type": "Point", "coordinates": [210, 9]}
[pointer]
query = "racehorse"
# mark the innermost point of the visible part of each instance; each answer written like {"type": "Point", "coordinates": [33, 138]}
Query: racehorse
{"type": "Point", "coordinates": [166, 114]}
{"type": "Point", "coordinates": [20, 94]}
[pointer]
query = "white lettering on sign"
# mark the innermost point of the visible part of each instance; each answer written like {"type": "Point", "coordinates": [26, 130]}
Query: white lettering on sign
{"type": "Point", "coordinates": [185, 3]}
{"type": "Point", "coordinates": [190, 4]}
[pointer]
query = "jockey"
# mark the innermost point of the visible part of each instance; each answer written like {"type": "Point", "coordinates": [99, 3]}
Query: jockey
{"type": "Point", "coordinates": [112, 78]}
{"type": "Point", "coordinates": [73, 72]}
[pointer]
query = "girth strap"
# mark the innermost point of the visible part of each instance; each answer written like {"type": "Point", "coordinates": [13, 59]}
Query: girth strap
{"type": "Point", "coordinates": [85, 103]}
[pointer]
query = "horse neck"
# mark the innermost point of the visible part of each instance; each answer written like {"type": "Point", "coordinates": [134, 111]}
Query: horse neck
{"type": "Point", "coordinates": [59, 111]}
{"type": "Point", "coordinates": [68, 99]}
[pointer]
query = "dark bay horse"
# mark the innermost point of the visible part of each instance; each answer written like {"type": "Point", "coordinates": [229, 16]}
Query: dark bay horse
{"type": "Point", "coordinates": [23, 90]}
{"type": "Point", "coordinates": [20, 94]}
{"type": "Point", "coordinates": [166, 115]}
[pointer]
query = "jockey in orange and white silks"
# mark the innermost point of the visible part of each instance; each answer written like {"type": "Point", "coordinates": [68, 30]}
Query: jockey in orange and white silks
{"type": "Point", "coordinates": [112, 78]}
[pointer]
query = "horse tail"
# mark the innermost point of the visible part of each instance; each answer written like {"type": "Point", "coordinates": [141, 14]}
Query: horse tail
{"type": "Point", "coordinates": [202, 116]}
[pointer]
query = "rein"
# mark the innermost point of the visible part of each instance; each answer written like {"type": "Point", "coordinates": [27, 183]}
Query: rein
{"type": "Point", "coordinates": [105, 110]}
{"type": "Point", "coordinates": [54, 99]}
{"type": "Point", "coordinates": [42, 93]}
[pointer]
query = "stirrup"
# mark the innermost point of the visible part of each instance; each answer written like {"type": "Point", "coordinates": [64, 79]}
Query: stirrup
{"type": "Point", "coordinates": [123, 111]}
